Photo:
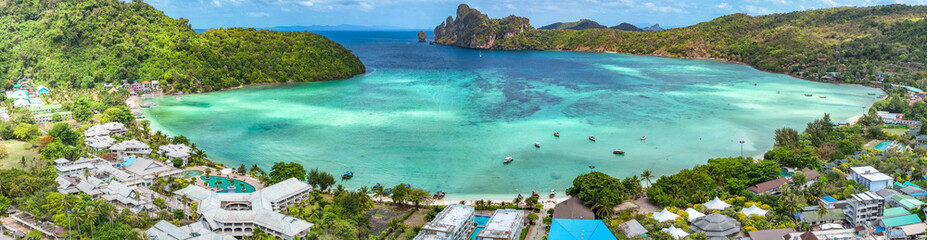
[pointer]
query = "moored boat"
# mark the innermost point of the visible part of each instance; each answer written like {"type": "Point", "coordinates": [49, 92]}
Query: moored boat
{"type": "Point", "coordinates": [807, 95]}
{"type": "Point", "coordinates": [552, 193]}
{"type": "Point", "coordinates": [508, 160]}
{"type": "Point", "coordinates": [347, 175]}
{"type": "Point", "coordinates": [644, 138]}
{"type": "Point", "coordinates": [822, 96]}
{"type": "Point", "coordinates": [591, 138]}
{"type": "Point", "coordinates": [618, 151]}
{"type": "Point", "coordinates": [537, 145]}
{"type": "Point", "coordinates": [556, 134]}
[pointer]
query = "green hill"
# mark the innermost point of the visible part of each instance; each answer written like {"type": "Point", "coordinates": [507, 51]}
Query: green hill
{"type": "Point", "coordinates": [85, 43]}
{"type": "Point", "coordinates": [847, 44]}
{"type": "Point", "coordinates": [578, 25]}
{"type": "Point", "coordinates": [626, 27]}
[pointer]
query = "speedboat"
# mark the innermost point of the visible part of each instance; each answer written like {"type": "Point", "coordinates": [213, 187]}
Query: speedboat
{"type": "Point", "coordinates": [618, 152]}
{"type": "Point", "coordinates": [556, 134]}
{"type": "Point", "coordinates": [537, 145]}
{"type": "Point", "coordinates": [822, 96]}
{"type": "Point", "coordinates": [552, 193]}
{"type": "Point", "coordinates": [644, 138]}
{"type": "Point", "coordinates": [508, 160]}
{"type": "Point", "coordinates": [591, 138]}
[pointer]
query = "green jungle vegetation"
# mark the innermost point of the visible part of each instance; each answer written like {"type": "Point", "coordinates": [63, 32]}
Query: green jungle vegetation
{"type": "Point", "coordinates": [81, 44]}
{"type": "Point", "coordinates": [846, 44]}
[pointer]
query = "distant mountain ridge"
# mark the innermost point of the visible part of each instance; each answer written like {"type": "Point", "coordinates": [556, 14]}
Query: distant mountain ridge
{"type": "Point", "coordinates": [312, 28]}
{"type": "Point", "coordinates": [578, 25]}
{"type": "Point", "coordinates": [655, 27]}
{"type": "Point", "coordinates": [844, 44]}
{"type": "Point", "coordinates": [626, 27]}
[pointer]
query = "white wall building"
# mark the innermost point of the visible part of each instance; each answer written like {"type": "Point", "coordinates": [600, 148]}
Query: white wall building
{"type": "Point", "coordinates": [237, 214]}
{"type": "Point", "coordinates": [870, 177]}
{"type": "Point", "coordinates": [133, 146]}
{"type": "Point", "coordinates": [455, 222]}
{"type": "Point", "coordinates": [505, 224]}
{"type": "Point", "coordinates": [864, 208]}
{"type": "Point", "coordinates": [106, 129]}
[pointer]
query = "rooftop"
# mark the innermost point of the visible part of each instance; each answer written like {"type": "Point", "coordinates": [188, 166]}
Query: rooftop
{"type": "Point", "coordinates": [900, 220]}
{"type": "Point", "coordinates": [452, 217]}
{"type": "Point", "coordinates": [583, 229]}
{"type": "Point", "coordinates": [832, 214]}
{"type": "Point", "coordinates": [772, 234]}
{"type": "Point", "coordinates": [895, 211]}
{"type": "Point", "coordinates": [768, 185]}
{"type": "Point", "coordinates": [573, 208]}
{"type": "Point", "coordinates": [503, 224]}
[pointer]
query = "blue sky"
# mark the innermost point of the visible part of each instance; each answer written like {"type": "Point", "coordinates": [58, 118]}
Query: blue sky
{"type": "Point", "coordinates": [425, 14]}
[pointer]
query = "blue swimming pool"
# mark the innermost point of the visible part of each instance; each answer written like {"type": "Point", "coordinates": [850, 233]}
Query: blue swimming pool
{"type": "Point", "coordinates": [883, 145]}
{"type": "Point", "coordinates": [475, 232]}
{"type": "Point", "coordinates": [224, 183]}
{"type": "Point", "coordinates": [128, 161]}
{"type": "Point", "coordinates": [481, 220]}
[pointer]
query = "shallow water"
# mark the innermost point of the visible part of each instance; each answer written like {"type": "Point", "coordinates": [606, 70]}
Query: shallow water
{"type": "Point", "coordinates": [444, 118]}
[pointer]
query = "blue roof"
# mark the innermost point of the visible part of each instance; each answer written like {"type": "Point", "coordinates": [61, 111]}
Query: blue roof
{"type": "Point", "coordinates": [579, 229]}
{"type": "Point", "coordinates": [829, 199]}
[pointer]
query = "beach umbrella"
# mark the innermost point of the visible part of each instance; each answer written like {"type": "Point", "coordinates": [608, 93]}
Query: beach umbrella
{"type": "Point", "coordinates": [716, 204]}
{"type": "Point", "coordinates": [675, 232]}
{"type": "Point", "coordinates": [665, 215]}
{"type": "Point", "coordinates": [693, 214]}
{"type": "Point", "coordinates": [753, 210]}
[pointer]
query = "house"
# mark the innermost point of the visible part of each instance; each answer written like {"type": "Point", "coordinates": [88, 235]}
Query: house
{"type": "Point", "coordinates": [813, 218]}
{"type": "Point", "coordinates": [631, 228]}
{"type": "Point", "coordinates": [45, 109]}
{"type": "Point", "coordinates": [133, 146]}
{"type": "Point", "coordinates": [99, 143]}
{"type": "Point", "coordinates": [897, 221]}
{"type": "Point", "coordinates": [455, 222]}
{"type": "Point", "coordinates": [910, 231]}
{"type": "Point", "coordinates": [582, 229]}
{"type": "Point", "coordinates": [864, 208]}
{"type": "Point", "coordinates": [150, 169]}
{"type": "Point", "coordinates": [905, 201]}
{"type": "Point", "coordinates": [811, 176]}
{"type": "Point", "coordinates": [769, 187]}
{"type": "Point", "coordinates": [238, 214]}
{"type": "Point", "coordinates": [106, 129]}
{"type": "Point", "coordinates": [50, 117]}
{"type": "Point", "coordinates": [505, 224]}
{"type": "Point", "coordinates": [175, 151]}
{"type": "Point", "coordinates": [573, 208]}
{"type": "Point", "coordinates": [895, 211]}
{"type": "Point", "coordinates": [42, 90]}
{"type": "Point", "coordinates": [870, 177]}
{"type": "Point", "coordinates": [164, 230]}
{"type": "Point", "coordinates": [831, 234]}
{"type": "Point", "coordinates": [896, 118]}
{"type": "Point", "coordinates": [772, 234]}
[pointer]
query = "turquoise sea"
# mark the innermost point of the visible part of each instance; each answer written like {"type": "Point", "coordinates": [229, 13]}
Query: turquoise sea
{"type": "Point", "coordinates": [444, 118]}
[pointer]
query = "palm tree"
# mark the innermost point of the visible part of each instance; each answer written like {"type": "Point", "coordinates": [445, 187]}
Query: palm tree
{"type": "Point", "coordinates": [199, 155]}
{"type": "Point", "coordinates": [646, 176]}
{"type": "Point", "coordinates": [379, 193]}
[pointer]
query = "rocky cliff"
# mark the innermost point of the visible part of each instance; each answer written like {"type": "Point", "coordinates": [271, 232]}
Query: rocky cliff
{"type": "Point", "coordinates": [473, 29]}
{"type": "Point", "coordinates": [421, 36]}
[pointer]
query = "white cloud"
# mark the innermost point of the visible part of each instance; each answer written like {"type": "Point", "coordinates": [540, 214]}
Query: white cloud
{"type": "Point", "coordinates": [217, 3]}
{"type": "Point", "coordinates": [258, 14]}
{"type": "Point", "coordinates": [306, 3]}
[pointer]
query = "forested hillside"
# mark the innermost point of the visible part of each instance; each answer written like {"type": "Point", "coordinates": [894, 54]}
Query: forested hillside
{"type": "Point", "coordinates": [85, 43]}
{"type": "Point", "coordinates": [847, 44]}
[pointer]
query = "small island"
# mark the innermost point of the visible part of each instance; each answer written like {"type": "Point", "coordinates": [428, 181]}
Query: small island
{"type": "Point", "coordinates": [422, 36]}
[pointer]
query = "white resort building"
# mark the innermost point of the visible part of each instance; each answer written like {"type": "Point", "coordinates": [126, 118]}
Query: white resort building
{"type": "Point", "coordinates": [175, 151]}
{"type": "Point", "coordinates": [99, 178]}
{"type": "Point", "coordinates": [99, 143]}
{"type": "Point", "coordinates": [455, 222]}
{"type": "Point", "coordinates": [164, 230]}
{"type": "Point", "coordinates": [133, 146]}
{"type": "Point", "coordinates": [237, 214]}
{"type": "Point", "coordinates": [505, 224]}
{"type": "Point", "coordinates": [864, 208]}
{"type": "Point", "coordinates": [107, 129]}
{"type": "Point", "coordinates": [870, 177]}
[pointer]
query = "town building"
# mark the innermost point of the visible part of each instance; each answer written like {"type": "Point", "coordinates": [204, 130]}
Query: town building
{"type": "Point", "coordinates": [631, 228]}
{"type": "Point", "coordinates": [850, 233]}
{"type": "Point", "coordinates": [107, 129]}
{"type": "Point", "coordinates": [769, 187]}
{"type": "Point", "coordinates": [582, 229]}
{"type": "Point", "coordinates": [864, 208]}
{"type": "Point", "coordinates": [811, 176]}
{"type": "Point", "coordinates": [870, 177]}
{"type": "Point", "coordinates": [238, 214]}
{"type": "Point", "coordinates": [505, 224]}
{"type": "Point", "coordinates": [455, 222]}
{"type": "Point", "coordinates": [573, 208]}
{"type": "Point", "coordinates": [772, 234]}
{"type": "Point", "coordinates": [898, 221]}
{"type": "Point", "coordinates": [175, 151]}
{"type": "Point", "coordinates": [813, 218]}
{"type": "Point", "coordinates": [910, 231]}
{"type": "Point", "coordinates": [133, 147]}
{"type": "Point", "coordinates": [896, 118]}
{"type": "Point", "coordinates": [905, 201]}
{"type": "Point", "coordinates": [45, 109]}
{"type": "Point", "coordinates": [164, 230]}
{"type": "Point", "coordinates": [99, 143]}
{"type": "Point", "coordinates": [150, 169]}
{"type": "Point", "coordinates": [50, 117]}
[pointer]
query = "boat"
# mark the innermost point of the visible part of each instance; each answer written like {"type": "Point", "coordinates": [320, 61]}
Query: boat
{"type": "Point", "coordinates": [508, 160]}
{"type": "Point", "coordinates": [556, 134]}
{"type": "Point", "coordinates": [534, 194]}
{"type": "Point", "coordinates": [552, 193]}
{"type": "Point", "coordinates": [438, 195]}
{"type": "Point", "coordinates": [347, 175]}
{"type": "Point", "coordinates": [537, 145]}
{"type": "Point", "coordinates": [376, 186]}
{"type": "Point", "coordinates": [872, 94]}
{"type": "Point", "coordinates": [178, 98]}
{"type": "Point", "coordinates": [591, 138]}
{"type": "Point", "coordinates": [822, 96]}
{"type": "Point", "coordinates": [618, 152]}
{"type": "Point", "coordinates": [644, 138]}
{"type": "Point", "coordinates": [807, 95]}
